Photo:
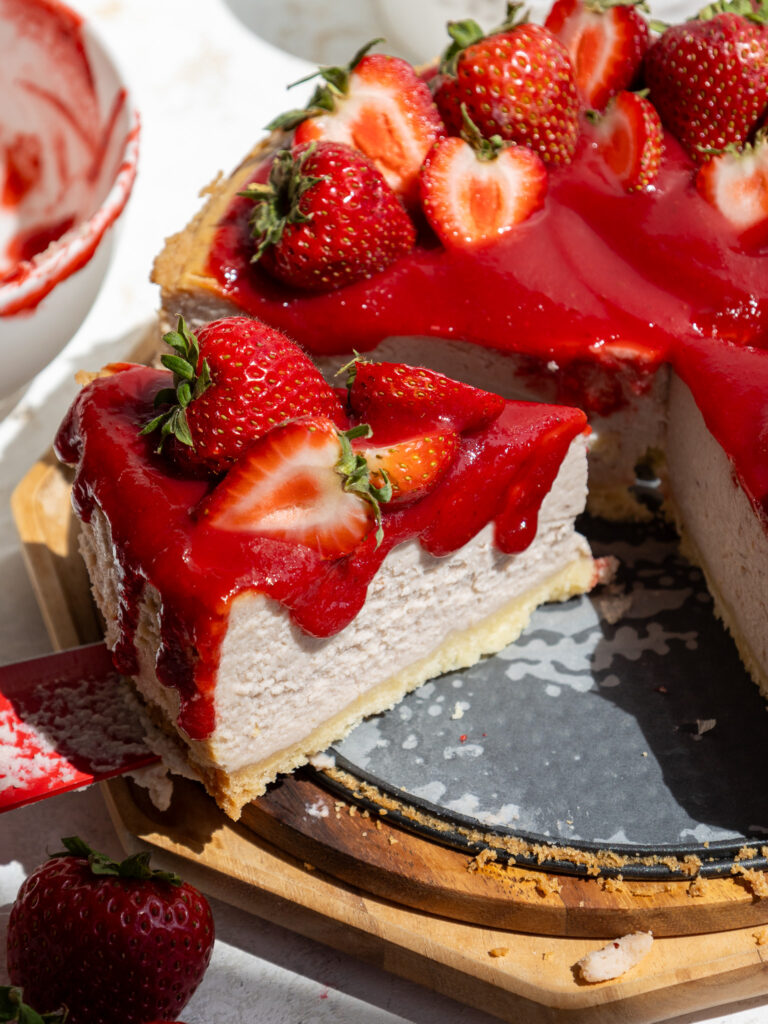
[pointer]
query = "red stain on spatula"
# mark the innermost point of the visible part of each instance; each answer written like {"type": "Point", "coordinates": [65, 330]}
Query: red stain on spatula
{"type": "Point", "coordinates": [66, 720]}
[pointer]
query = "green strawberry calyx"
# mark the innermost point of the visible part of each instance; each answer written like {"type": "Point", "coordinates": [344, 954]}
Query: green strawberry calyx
{"type": "Point", "coordinates": [134, 867]}
{"type": "Point", "coordinates": [333, 85]}
{"type": "Point", "coordinates": [467, 32]}
{"type": "Point", "coordinates": [354, 470]}
{"type": "Point", "coordinates": [277, 203]}
{"type": "Point", "coordinates": [14, 1009]}
{"type": "Point", "coordinates": [188, 384]}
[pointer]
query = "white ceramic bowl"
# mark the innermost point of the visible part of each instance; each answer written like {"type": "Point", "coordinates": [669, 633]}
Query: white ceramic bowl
{"type": "Point", "coordinates": [68, 154]}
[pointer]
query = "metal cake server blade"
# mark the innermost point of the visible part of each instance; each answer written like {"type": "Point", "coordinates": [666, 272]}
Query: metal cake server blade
{"type": "Point", "coordinates": [66, 720]}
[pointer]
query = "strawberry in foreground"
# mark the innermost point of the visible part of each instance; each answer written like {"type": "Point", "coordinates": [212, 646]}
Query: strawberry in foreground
{"type": "Point", "coordinates": [474, 190]}
{"type": "Point", "coordinates": [606, 41]}
{"type": "Point", "coordinates": [631, 139]}
{"type": "Point", "coordinates": [232, 383]}
{"type": "Point", "coordinates": [516, 83]}
{"type": "Point", "coordinates": [114, 943]}
{"type": "Point", "coordinates": [326, 218]}
{"type": "Point", "coordinates": [736, 183]}
{"type": "Point", "coordinates": [378, 105]}
{"type": "Point", "coordinates": [302, 483]}
{"type": "Point", "coordinates": [400, 401]}
{"type": "Point", "coordinates": [708, 77]}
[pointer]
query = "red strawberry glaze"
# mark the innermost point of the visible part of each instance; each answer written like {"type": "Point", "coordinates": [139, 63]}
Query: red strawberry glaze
{"type": "Point", "coordinates": [501, 473]}
{"type": "Point", "coordinates": [596, 274]}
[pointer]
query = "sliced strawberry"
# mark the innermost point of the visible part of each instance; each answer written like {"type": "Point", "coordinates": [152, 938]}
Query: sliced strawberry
{"type": "Point", "coordinates": [289, 485]}
{"type": "Point", "coordinates": [606, 41]}
{"type": "Point", "coordinates": [401, 401]}
{"type": "Point", "coordinates": [411, 467]}
{"type": "Point", "coordinates": [379, 105]}
{"type": "Point", "coordinates": [736, 183]}
{"type": "Point", "coordinates": [472, 195]}
{"type": "Point", "coordinates": [631, 139]}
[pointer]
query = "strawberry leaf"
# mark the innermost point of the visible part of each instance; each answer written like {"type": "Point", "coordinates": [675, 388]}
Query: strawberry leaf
{"type": "Point", "coordinates": [334, 84]}
{"type": "Point", "coordinates": [188, 384]}
{"type": "Point", "coordinates": [353, 469]}
{"type": "Point", "coordinates": [134, 866]}
{"type": "Point", "coordinates": [277, 204]}
{"type": "Point", "coordinates": [13, 1008]}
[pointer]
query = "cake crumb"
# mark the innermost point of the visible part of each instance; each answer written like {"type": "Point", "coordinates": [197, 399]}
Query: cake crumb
{"type": "Point", "coordinates": [548, 886]}
{"type": "Point", "coordinates": [391, 840]}
{"type": "Point", "coordinates": [483, 858]}
{"type": "Point", "coordinates": [616, 958]}
{"type": "Point", "coordinates": [309, 867]}
{"type": "Point", "coordinates": [498, 951]}
{"type": "Point", "coordinates": [697, 887]}
{"type": "Point", "coordinates": [761, 937]}
{"type": "Point", "coordinates": [612, 884]}
{"type": "Point", "coordinates": [756, 880]}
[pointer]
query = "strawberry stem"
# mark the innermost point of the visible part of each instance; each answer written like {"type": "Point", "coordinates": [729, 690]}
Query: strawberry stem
{"type": "Point", "coordinates": [485, 149]}
{"type": "Point", "coordinates": [13, 1008]}
{"type": "Point", "coordinates": [135, 866]}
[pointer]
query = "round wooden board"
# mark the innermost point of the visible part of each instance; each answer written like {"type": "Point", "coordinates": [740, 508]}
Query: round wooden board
{"type": "Point", "coordinates": [363, 849]}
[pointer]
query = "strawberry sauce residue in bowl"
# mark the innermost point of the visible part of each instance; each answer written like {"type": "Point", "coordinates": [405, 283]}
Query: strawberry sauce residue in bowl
{"type": "Point", "coordinates": [68, 155]}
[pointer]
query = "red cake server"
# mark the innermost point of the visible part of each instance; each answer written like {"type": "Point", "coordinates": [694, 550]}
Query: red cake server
{"type": "Point", "coordinates": [66, 720]}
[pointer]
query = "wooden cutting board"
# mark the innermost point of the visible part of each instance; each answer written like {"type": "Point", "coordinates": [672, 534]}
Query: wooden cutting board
{"type": "Point", "coordinates": [505, 940]}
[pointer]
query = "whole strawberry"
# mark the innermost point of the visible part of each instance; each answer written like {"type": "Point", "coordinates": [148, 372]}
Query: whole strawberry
{"type": "Point", "coordinates": [400, 401]}
{"type": "Point", "coordinates": [114, 943]}
{"type": "Point", "coordinates": [708, 77]}
{"type": "Point", "coordinates": [327, 218]}
{"type": "Point", "coordinates": [517, 83]}
{"type": "Point", "coordinates": [233, 381]}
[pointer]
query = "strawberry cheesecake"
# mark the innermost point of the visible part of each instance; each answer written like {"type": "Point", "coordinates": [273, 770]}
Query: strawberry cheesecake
{"type": "Point", "coordinates": [276, 558]}
{"type": "Point", "coordinates": [588, 202]}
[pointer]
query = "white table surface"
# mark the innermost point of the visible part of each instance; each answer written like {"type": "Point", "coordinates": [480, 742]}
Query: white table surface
{"type": "Point", "coordinates": [205, 84]}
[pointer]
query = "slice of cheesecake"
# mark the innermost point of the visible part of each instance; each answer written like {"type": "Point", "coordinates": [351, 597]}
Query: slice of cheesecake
{"type": "Point", "coordinates": [267, 596]}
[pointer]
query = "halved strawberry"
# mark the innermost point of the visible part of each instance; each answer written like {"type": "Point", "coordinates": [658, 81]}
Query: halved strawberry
{"type": "Point", "coordinates": [631, 138]}
{"type": "Point", "coordinates": [400, 401]}
{"type": "Point", "coordinates": [736, 183]}
{"type": "Point", "coordinates": [475, 190]}
{"type": "Point", "coordinates": [606, 41]}
{"type": "Point", "coordinates": [379, 105]}
{"type": "Point", "coordinates": [412, 467]}
{"type": "Point", "coordinates": [300, 482]}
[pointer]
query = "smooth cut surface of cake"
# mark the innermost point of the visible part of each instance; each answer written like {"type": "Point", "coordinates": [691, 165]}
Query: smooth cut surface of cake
{"type": "Point", "coordinates": [258, 653]}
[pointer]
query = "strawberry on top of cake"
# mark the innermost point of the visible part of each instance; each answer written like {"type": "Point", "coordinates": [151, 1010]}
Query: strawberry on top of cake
{"type": "Point", "coordinates": [251, 531]}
